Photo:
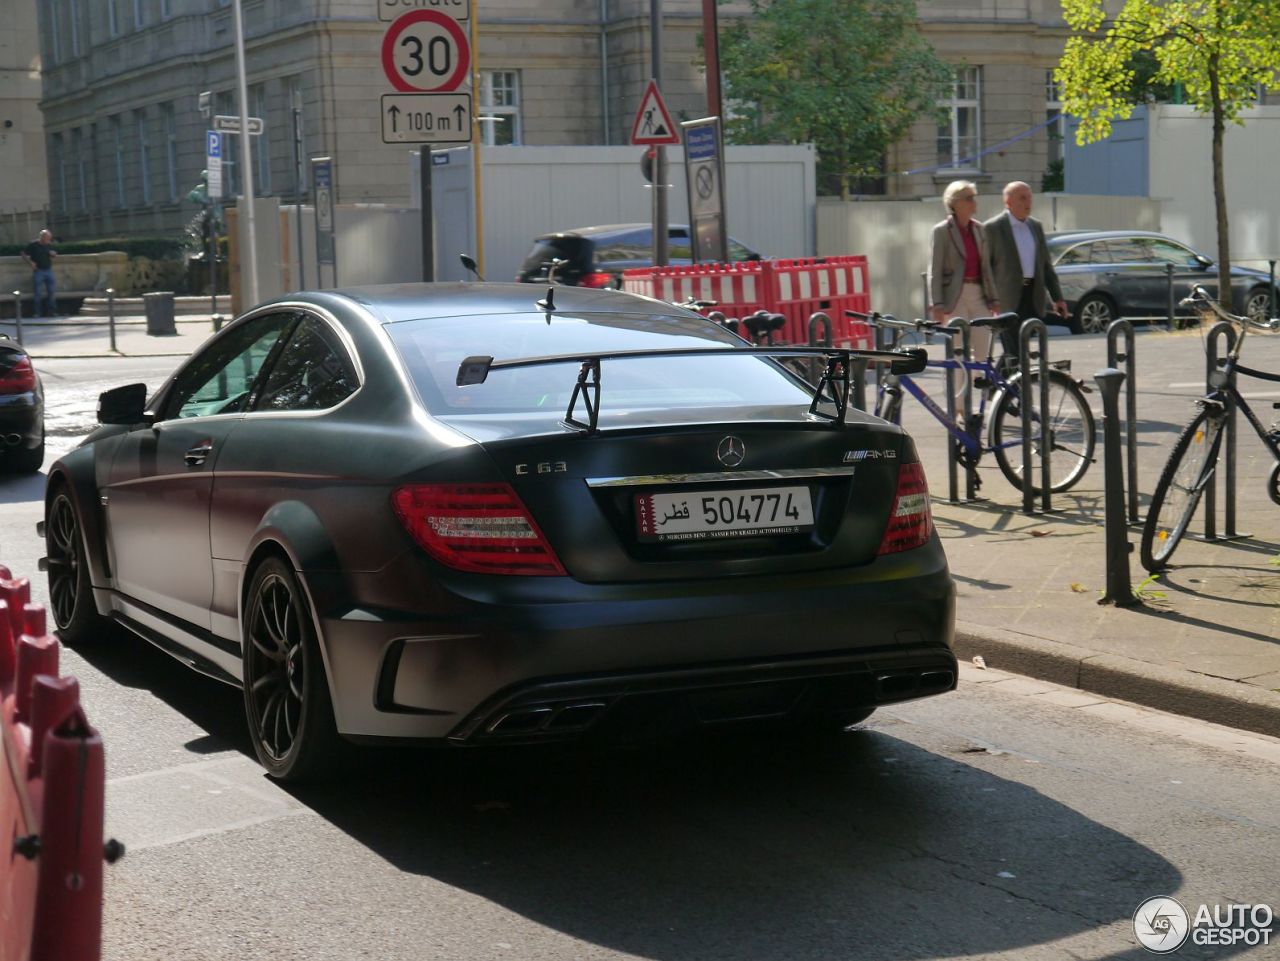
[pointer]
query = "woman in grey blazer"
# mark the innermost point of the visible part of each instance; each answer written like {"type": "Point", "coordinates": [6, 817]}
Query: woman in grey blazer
{"type": "Point", "coordinates": [960, 282]}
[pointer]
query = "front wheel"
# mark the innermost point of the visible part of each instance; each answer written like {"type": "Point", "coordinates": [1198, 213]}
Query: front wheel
{"type": "Point", "coordinates": [70, 591]}
{"type": "Point", "coordinates": [1071, 432]}
{"type": "Point", "coordinates": [1257, 305]}
{"type": "Point", "coordinates": [1094, 314]}
{"type": "Point", "coordinates": [1178, 491]}
{"type": "Point", "coordinates": [286, 692]}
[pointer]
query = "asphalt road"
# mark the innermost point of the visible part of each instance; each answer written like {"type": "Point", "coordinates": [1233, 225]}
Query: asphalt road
{"type": "Point", "coordinates": [1009, 820]}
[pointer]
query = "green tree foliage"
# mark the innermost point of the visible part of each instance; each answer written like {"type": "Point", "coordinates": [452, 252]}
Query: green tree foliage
{"type": "Point", "coordinates": [1219, 51]}
{"type": "Point", "coordinates": [850, 76]}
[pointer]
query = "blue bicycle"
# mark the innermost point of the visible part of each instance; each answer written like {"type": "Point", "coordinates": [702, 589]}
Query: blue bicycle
{"type": "Point", "coordinates": [1072, 433]}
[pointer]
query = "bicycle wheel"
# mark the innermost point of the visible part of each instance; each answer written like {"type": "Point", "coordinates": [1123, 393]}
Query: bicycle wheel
{"type": "Point", "coordinates": [1190, 465]}
{"type": "Point", "coordinates": [1071, 432]}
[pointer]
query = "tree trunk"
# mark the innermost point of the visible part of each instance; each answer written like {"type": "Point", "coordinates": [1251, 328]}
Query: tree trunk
{"type": "Point", "coordinates": [1220, 188]}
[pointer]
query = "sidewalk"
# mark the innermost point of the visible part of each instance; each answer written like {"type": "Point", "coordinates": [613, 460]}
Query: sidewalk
{"type": "Point", "coordinates": [1205, 642]}
{"type": "Point", "coordinates": [91, 337]}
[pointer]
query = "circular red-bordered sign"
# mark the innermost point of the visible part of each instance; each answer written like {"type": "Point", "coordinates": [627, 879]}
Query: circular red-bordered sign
{"type": "Point", "coordinates": [425, 51]}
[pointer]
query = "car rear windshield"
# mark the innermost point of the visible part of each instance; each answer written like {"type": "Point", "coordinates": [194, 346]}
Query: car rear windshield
{"type": "Point", "coordinates": [433, 349]}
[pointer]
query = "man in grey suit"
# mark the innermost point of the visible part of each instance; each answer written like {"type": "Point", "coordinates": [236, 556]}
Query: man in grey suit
{"type": "Point", "coordinates": [1019, 261]}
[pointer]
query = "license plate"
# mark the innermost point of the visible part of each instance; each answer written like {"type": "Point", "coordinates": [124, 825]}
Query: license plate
{"type": "Point", "coordinates": [701, 515]}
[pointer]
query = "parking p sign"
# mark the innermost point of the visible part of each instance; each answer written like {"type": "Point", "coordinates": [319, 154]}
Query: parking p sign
{"type": "Point", "coordinates": [213, 163]}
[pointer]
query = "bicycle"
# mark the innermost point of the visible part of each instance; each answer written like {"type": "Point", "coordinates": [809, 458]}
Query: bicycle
{"type": "Point", "coordinates": [1071, 426]}
{"type": "Point", "coordinates": [1194, 458]}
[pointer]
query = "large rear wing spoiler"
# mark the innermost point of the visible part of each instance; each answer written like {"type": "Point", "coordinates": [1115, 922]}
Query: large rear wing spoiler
{"type": "Point", "coordinates": [833, 386]}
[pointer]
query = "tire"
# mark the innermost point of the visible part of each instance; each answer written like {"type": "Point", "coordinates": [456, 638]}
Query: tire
{"type": "Point", "coordinates": [1072, 433]}
{"type": "Point", "coordinates": [26, 460]}
{"type": "Point", "coordinates": [75, 614]}
{"type": "Point", "coordinates": [1257, 304]}
{"type": "Point", "coordinates": [1190, 465]}
{"type": "Point", "coordinates": [1094, 314]}
{"type": "Point", "coordinates": [286, 691]}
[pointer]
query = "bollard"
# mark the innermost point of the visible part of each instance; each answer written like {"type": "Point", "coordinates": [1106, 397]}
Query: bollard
{"type": "Point", "coordinates": [1119, 590]}
{"type": "Point", "coordinates": [17, 316]}
{"type": "Point", "coordinates": [1168, 281]}
{"type": "Point", "coordinates": [1034, 327]}
{"type": "Point", "coordinates": [924, 288]}
{"type": "Point", "coordinates": [1272, 311]}
{"type": "Point", "coordinates": [1114, 359]}
{"type": "Point", "coordinates": [111, 316]}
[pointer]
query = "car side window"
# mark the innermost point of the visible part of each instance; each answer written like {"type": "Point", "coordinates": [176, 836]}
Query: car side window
{"type": "Point", "coordinates": [312, 372]}
{"type": "Point", "coordinates": [1167, 253]}
{"type": "Point", "coordinates": [220, 379]}
{"type": "Point", "coordinates": [1079, 254]}
{"type": "Point", "coordinates": [1130, 251]}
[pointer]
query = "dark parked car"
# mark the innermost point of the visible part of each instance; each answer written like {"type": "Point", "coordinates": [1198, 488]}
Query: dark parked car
{"type": "Point", "coordinates": [343, 506]}
{"type": "Point", "coordinates": [21, 410]}
{"type": "Point", "coordinates": [1107, 274]}
{"type": "Point", "coordinates": [597, 256]}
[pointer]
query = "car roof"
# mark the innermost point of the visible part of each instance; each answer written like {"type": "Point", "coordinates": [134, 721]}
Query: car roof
{"type": "Point", "coordinates": [604, 229]}
{"type": "Point", "coordinates": [398, 302]}
{"type": "Point", "coordinates": [1081, 236]}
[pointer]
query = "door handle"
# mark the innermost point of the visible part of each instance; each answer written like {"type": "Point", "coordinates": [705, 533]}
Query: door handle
{"type": "Point", "coordinates": [195, 456]}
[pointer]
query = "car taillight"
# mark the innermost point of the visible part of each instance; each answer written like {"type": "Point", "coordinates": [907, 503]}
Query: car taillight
{"type": "Point", "coordinates": [910, 522]}
{"type": "Point", "coordinates": [475, 527]}
{"type": "Point", "coordinates": [19, 378]}
{"type": "Point", "coordinates": [596, 280]}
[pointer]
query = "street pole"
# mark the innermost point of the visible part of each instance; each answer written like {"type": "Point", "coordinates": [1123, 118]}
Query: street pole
{"type": "Point", "coordinates": [475, 135]}
{"type": "Point", "coordinates": [297, 185]}
{"type": "Point", "coordinates": [660, 153]}
{"type": "Point", "coordinates": [246, 158]}
{"type": "Point", "coordinates": [711, 49]}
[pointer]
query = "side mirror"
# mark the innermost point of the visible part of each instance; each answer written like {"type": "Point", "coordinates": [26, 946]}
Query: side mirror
{"type": "Point", "coordinates": [1204, 262]}
{"type": "Point", "coordinates": [469, 263]}
{"type": "Point", "coordinates": [123, 405]}
{"type": "Point", "coordinates": [913, 361]}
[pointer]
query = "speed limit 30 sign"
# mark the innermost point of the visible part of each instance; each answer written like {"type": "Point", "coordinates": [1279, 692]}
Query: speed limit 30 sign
{"type": "Point", "coordinates": [426, 51]}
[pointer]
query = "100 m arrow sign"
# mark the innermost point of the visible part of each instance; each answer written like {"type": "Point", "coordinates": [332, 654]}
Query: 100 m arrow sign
{"type": "Point", "coordinates": [426, 118]}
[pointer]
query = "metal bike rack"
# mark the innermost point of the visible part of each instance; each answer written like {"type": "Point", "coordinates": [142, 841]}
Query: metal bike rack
{"type": "Point", "coordinates": [1114, 359]}
{"type": "Point", "coordinates": [962, 352]}
{"type": "Point", "coordinates": [1119, 588]}
{"type": "Point", "coordinates": [1034, 327]}
{"type": "Point", "coordinates": [1213, 365]}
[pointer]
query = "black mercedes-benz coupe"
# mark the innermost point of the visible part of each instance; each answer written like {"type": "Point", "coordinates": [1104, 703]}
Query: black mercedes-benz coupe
{"type": "Point", "coordinates": [462, 513]}
{"type": "Point", "coordinates": [21, 410]}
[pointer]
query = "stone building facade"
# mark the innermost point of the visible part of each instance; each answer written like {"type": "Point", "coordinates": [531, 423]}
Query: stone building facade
{"type": "Point", "coordinates": [124, 133]}
{"type": "Point", "coordinates": [23, 184]}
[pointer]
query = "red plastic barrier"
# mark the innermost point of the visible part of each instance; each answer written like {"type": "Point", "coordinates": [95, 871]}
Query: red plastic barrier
{"type": "Point", "coordinates": [52, 784]}
{"type": "Point", "coordinates": [794, 288]}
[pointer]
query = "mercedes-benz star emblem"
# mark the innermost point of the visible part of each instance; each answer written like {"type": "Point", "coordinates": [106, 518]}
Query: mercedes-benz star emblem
{"type": "Point", "coordinates": [731, 451]}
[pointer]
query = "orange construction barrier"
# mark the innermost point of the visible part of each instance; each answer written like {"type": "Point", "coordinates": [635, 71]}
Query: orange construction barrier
{"type": "Point", "coordinates": [796, 289]}
{"type": "Point", "coordinates": [52, 781]}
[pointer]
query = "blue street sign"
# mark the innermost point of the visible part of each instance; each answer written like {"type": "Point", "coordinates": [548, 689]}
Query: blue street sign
{"type": "Point", "coordinates": [214, 148]}
{"type": "Point", "coordinates": [700, 143]}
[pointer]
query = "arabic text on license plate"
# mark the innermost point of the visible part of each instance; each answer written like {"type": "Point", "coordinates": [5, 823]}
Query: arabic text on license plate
{"type": "Point", "coordinates": [730, 513]}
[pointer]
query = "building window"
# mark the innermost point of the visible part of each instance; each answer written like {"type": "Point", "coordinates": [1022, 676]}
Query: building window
{"type": "Point", "coordinates": [82, 180]}
{"type": "Point", "coordinates": [144, 155]}
{"type": "Point", "coordinates": [117, 140]}
{"type": "Point", "coordinates": [261, 144]}
{"type": "Point", "coordinates": [959, 136]}
{"type": "Point", "coordinates": [170, 122]}
{"type": "Point", "coordinates": [500, 107]}
{"type": "Point", "coordinates": [58, 149]}
{"type": "Point", "coordinates": [139, 15]}
{"type": "Point", "coordinates": [113, 19]}
{"type": "Point", "coordinates": [166, 9]}
{"type": "Point", "coordinates": [55, 35]}
{"type": "Point", "coordinates": [73, 16]}
{"type": "Point", "coordinates": [1056, 130]}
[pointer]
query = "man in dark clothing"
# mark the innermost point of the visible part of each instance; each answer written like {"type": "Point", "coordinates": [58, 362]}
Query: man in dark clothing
{"type": "Point", "coordinates": [1019, 260]}
{"type": "Point", "coordinates": [39, 254]}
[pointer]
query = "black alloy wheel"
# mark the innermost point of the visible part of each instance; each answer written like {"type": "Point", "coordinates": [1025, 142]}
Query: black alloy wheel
{"type": "Point", "coordinates": [1257, 305]}
{"type": "Point", "coordinates": [286, 693]}
{"type": "Point", "coordinates": [70, 591]}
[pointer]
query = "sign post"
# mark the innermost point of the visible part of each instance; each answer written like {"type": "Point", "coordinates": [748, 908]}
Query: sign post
{"type": "Point", "coordinates": [322, 184]}
{"type": "Point", "coordinates": [704, 176]}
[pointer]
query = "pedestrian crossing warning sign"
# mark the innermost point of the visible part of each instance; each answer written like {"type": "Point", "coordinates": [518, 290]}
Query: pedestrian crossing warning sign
{"type": "Point", "coordinates": [653, 126]}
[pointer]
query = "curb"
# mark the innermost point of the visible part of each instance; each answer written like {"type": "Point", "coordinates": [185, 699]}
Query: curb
{"type": "Point", "coordinates": [1213, 699]}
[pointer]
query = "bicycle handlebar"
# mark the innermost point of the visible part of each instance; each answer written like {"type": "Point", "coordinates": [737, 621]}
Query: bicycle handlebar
{"type": "Point", "coordinates": [1199, 297]}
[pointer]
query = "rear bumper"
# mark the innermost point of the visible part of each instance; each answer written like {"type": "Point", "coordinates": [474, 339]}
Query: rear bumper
{"type": "Point", "coordinates": [765, 646]}
{"type": "Point", "coordinates": [21, 422]}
